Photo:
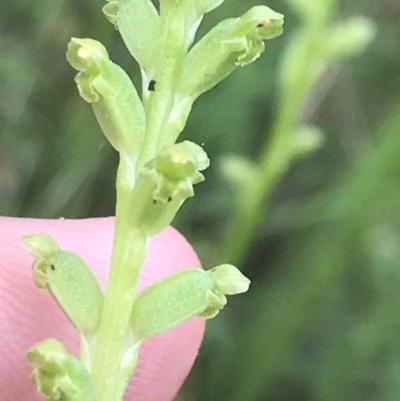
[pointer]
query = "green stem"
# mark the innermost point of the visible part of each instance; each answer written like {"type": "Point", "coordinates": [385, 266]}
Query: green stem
{"type": "Point", "coordinates": [130, 244]}
{"type": "Point", "coordinates": [158, 103]}
{"type": "Point", "coordinates": [129, 251]}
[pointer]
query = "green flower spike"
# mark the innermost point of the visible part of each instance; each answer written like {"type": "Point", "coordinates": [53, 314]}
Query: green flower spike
{"type": "Point", "coordinates": [69, 280]}
{"type": "Point", "coordinates": [183, 295]}
{"type": "Point", "coordinates": [114, 99]}
{"type": "Point", "coordinates": [163, 185]}
{"type": "Point", "coordinates": [233, 42]}
{"type": "Point", "coordinates": [59, 375]}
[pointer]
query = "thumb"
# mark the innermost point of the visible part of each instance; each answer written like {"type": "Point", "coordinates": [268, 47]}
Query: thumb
{"type": "Point", "coordinates": [28, 315]}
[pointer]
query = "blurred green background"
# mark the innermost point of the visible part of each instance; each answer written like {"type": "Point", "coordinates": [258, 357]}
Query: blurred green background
{"type": "Point", "coordinates": [322, 319]}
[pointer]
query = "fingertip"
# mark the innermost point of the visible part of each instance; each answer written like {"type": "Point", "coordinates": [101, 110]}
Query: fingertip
{"type": "Point", "coordinates": [28, 315]}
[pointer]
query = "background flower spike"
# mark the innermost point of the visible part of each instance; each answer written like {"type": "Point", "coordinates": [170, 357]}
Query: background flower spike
{"type": "Point", "coordinates": [59, 375]}
{"type": "Point", "coordinates": [111, 93]}
{"type": "Point", "coordinates": [349, 38]}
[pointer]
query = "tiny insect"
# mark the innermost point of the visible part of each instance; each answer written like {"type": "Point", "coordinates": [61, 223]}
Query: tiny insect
{"type": "Point", "coordinates": [152, 85]}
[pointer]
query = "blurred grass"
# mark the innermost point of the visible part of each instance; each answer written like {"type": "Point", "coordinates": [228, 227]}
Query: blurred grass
{"type": "Point", "coordinates": [322, 319]}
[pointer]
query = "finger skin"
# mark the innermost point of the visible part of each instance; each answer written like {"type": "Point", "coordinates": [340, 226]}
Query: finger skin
{"type": "Point", "coordinates": [28, 315]}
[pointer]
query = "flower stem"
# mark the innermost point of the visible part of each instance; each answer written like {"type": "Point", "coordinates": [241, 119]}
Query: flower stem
{"type": "Point", "coordinates": [159, 101]}
{"type": "Point", "coordinates": [130, 244]}
{"type": "Point", "coordinates": [129, 251]}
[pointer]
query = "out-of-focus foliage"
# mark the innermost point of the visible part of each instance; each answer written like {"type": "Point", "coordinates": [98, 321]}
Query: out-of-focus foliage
{"type": "Point", "coordinates": [321, 321]}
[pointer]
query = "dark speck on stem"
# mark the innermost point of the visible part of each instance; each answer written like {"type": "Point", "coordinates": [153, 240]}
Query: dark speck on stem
{"type": "Point", "coordinates": [152, 85]}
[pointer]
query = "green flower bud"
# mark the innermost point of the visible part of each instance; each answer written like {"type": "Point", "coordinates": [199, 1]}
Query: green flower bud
{"type": "Point", "coordinates": [164, 183]}
{"type": "Point", "coordinates": [85, 54]}
{"type": "Point", "coordinates": [59, 375]}
{"type": "Point", "coordinates": [112, 94]}
{"type": "Point", "coordinates": [139, 24]}
{"type": "Point", "coordinates": [229, 280]}
{"type": "Point", "coordinates": [40, 245]}
{"type": "Point", "coordinates": [73, 285]}
{"type": "Point", "coordinates": [183, 295]}
{"type": "Point", "coordinates": [233, 42]}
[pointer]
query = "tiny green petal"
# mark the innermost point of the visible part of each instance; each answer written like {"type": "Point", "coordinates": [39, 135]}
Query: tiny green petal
{"type": "Point", "coordinates": [229, 280]}
{"type": "Point", "coordinates": [40, 245]}
{"type": "Point", "coordinates": [84, 54]}
{"type": "Point", "coordinates": [268, 23]}
{"type": "Point", "coordinates": [110, 11]}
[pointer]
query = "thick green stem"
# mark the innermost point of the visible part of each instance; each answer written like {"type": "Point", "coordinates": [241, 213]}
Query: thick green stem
{"type": "Point", "coordinates": [159, 100]}
{"type": "Point", "coordinates": [129, 251]}
{"type": "Point", "coordinates": [130, 244]}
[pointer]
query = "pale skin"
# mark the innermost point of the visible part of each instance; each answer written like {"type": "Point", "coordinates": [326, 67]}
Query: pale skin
{"type": "Point", "coordinates": [28, 315]}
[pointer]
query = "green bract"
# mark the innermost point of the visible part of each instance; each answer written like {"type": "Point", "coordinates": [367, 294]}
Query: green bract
{"type": "Point", "coordinates": [140, 28]}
